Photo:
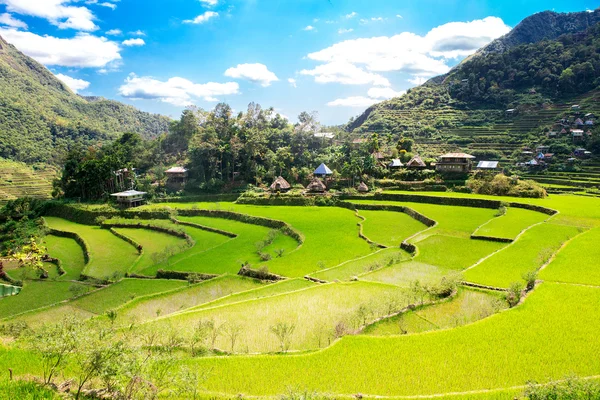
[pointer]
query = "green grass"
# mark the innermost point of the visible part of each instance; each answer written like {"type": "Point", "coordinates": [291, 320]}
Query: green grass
{"type": "Point", "coordinates": [314, 311]}
{"type": "Point", "coordinates": [468, 306]}
{"type": "Point", "coordinates": [26, 390]}
{"type": "Point", "coordinates": [389, 228]}
{"type": "Point", "coordinates": [577, 262]}
{"type": "Point", "coordinates": [147, 308]}
{"type": "Point", "coordinates": [36, 294]}
{"type": "Point", "coordinates": [404, 273]}
{"type": "Point", "coordinates": [530, 252]}
{"type": "Point", "coordinates": [453, 252]}
{"type": "Point", "coordinates": [152, 242]}
{"type": "Point", "coordinates": [511, 224]}
{"type": "Point", "coordinates": [108, 253]}
{"type": "Point", "coordinates": [545, 338]}
{"type": "Point", "coordinates": [69, 253]}
{"type": "Point", "coordinates": [363, 265]}
{"type": "Point", "coordinates": [324, 246]}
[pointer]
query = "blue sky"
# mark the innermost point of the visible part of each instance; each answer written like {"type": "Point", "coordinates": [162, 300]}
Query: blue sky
{"type": "Point", "coordinates": [332, 56]}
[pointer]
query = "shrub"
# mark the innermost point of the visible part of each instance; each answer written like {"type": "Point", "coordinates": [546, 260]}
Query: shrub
{"type": "Point", "coordinates": [570, 389]}
{"type": "Point", "coordinates": [514, 293]}
{"type": "Point", "coordinates": [530, 278]}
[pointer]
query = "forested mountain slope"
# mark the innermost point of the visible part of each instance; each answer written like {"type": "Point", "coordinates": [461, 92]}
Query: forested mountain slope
{"type": "Point", "coordinates": [40, 115]}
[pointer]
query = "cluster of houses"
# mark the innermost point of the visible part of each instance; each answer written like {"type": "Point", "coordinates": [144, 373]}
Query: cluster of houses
{"type": "Point", "coordinates": [578, 126]}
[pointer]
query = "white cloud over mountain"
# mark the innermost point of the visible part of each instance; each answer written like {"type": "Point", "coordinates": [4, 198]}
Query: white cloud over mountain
{"type": "Point", "coordinates": [345, 73]}
{"type": "Point", "coordinates": [177, 91]}
{"type": "Point", "coordinates": [73, 83]}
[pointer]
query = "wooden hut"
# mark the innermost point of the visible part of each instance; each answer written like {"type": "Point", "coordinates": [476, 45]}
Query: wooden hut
{"type": "Point", "coordinates": [280, 185]}
{"type": "Point", "coordinates": [176, 177]}
{"type": "Point", "coordinates": [316, 186]}
{"type": "Point", "coordinates": [416, 162]}
{"type": "Point", "coordinates": [363, 188]}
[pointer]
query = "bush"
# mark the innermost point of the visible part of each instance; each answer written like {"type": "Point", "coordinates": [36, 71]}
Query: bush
{"type": "Point", "coordinates": [514, 293]}
{"type": "Point", "coordinates": [530, 278]}
{"type": "Point", "coordinates": [570, 389]}
{"type": "Point", "coordinates": [502, 185]}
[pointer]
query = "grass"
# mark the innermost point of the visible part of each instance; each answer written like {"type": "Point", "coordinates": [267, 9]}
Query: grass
{"type": "Point", "coordinates": [511, 224]}
{"type": "Point", "coordinates": [545, 338]}
{"type": "Point", "coordinates": [228, 254]}
{"type": "Point", "coordinates": [578, 262]}
{"type": "Point", "coordinates": [362, 265]}
{"type": "Point", "coordinates": [108, 253]}
{"type": "Point", "coordinates": [146, 308]}
{"type": "Point", "coordinates": [314, 311]}
{"type": "Point", "coordinates": [530, 252]}
{"type": "Point", "coordinates": [37, 294]}
{"type": "Point", "coordinates": [388, 227]}
{"type": "Point", "coordinates": [453, 252]}
{"type": "Point", "coordinates": [468, 306]}
{"type": "Point", "coordinates": [324, 246]}
{"type": "Point", "coordinates": [404, 273]}
{"type": "Point", "coordinates": [69, 252]}
{"type": "Point", "coordinates": [26, 390]}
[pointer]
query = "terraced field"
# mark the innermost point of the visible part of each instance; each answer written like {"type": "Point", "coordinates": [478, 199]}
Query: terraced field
{"type": "Point", "coordinates": [20, 180]}
{"type": "Point", "coordinates": [366, 319]}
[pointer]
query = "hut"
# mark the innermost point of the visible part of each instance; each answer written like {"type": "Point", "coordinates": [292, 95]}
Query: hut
{"type": "Point", "coordinates": [316, 186]}
{"type": "Point", "coordinates": [396, 163]}
{"type": "Point", "coordinates": [416, 162]}
{"type": "Point", "coordinates": [363, 188]}
{"type": "Point", "coordinates": [488, 166]}
{"type": "Point", "coordinates": [129, 198]}
{"type": "Point", "coordinates": [280, 185]}
{"type": "Point", "coordinates": [322, 170]}
{"type": "Point", "coordinates": [176, 176]}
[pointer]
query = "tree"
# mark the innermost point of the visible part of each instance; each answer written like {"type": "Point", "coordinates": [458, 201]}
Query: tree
{"type": "Point", "coordinates": [232, 331]}
{"type": "Point", "coordinates": [283, 332]}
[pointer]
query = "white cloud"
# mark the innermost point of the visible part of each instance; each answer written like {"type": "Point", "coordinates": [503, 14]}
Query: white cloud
{"type": "Point", "coordinates": [418, 80]}
{"type": "Point", "coordinates": [114, 32]}
{"type": "Point", "coordinates": [209, 3]}
{"type": "Point", "coordinates": [344, 73]}
{"type": "Point", "coordinates": [176, 91]}
{"type": "Point", "coordinates": [292, 82]}
{"type": "Point", "coordinates": [351, 15]}
{"type": "Point", "coordinates": [399, 16]}
{"type": "Point", "coordinates": [384, 93]}
{"type": "Point", "coordinates": [309, 28]}
{"type": "Point", "coordinates": [258, 73]}
{"type": "Point", "coordinates": [83, 50]}
{"type": "Point", "coordinates": [342, 31]}
{"type": "Point", "coordinates": [134, 42]}
{"type": "Point", "coordinates": [355, 101]}
{"type": "Point", "coordinates": [112, 6]}
{"type": "Point", "coordinates": [414, 54]}
{"type": "Point", "coordinates": [57, 12]}
{"type": "Point", "coordinates": [137, 33]}
{"type": "Point", "coordinates": [202, 18]}
{"type": "Point", "coordinates": [7, 19]}
{"type": "Point", "coordinates": [73, 83]}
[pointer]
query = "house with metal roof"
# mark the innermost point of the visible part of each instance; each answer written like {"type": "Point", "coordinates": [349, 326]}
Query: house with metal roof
{"type": "Point", "coordinates": [129, 198]}
{"type": "Point", "coordinates": [396, 163]}
{"type": "Point", "coordinates": [455, 162]}
{"type": "Point", "coordinates": [322, 170]}
{"type": "Point", "coordinates": [487, 165]}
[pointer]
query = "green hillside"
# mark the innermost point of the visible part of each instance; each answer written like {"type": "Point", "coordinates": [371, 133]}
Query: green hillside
{"type": "Point", "coordinates": [40, 117]}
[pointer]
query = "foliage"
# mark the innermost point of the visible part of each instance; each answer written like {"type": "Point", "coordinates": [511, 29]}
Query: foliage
{"type": "Point", "coordinates": [502, 185]}
{"type": "Point", "coordinates": [569, 389]}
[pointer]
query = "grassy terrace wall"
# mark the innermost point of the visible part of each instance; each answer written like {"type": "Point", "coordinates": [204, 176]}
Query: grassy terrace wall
{"type": "Point", "coordinates": [72, 235]}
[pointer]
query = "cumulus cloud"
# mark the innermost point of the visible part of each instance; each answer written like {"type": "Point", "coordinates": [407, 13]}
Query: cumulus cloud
{"type": "Point", "coordinates": [177, 91]}
{"type": "Point", "coordinates": [414, 54]}
{"type": "Point", "coordinates": [7, 19]}
{"type": "Point", "coordinates": [83, 50]}
{"type": "Point", "coordinates": [344, 73]}
{"type": "Point", "coordinates": [209, 3]}
{"type": "Point", "coordinates": [137, 33]}
{"type": "Point", "coordinates": [309, 28]}
{"type": "Point", "coordinates": [418, 80]}
{"type": "Point", "coordinates": [112, 6]}
{"type": "Point", "coordinates": [355, 101]}
{"type": "Point", "coordinates": [202, 18]}
{"type": "Point", "coordinates": [257, 73]}
{"type": "Point", "coordinates": [292, 82]}
{"type": "Point", "coordinates": [351, 15]}
{"type": "Point", "coordinates": [73, 83]}
{"type": "Point", "coordinates": [384, 93]}
{"type": "Point", "coordinates": [399, 16]}
{"type": "Point", "coordinates": [114, 32]}
{"type": "Point", "coordinates": [58, 12]}
{"type": "Point", "coordinates": [133, 42]}
{"type": "Point", "coordinates": [342, 31]}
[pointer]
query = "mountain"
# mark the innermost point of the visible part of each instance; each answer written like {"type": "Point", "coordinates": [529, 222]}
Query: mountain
{"type": "Point", "coordinates": [40, 117]}
{"type": "Point", "coordinates": [547, 58]}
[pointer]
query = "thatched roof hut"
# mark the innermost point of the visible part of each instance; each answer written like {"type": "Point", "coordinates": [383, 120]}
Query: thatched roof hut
{"type": "Point", "coordinates": [316, 186]}
{"type": "Point", "coordinates": [280, 185]}
{"type": "Point", "coordinates": [416, 162]}
{"type": "Point", "coordinates": [363, 188]}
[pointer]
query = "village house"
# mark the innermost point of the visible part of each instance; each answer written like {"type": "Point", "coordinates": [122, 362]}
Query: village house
{"type": "Point", "coordinates": [416, 163]}
{"type": "Point", "coordinates": [575, 107]}
{"type": "Point", "coordinates": [489, 166]}
{"type": "Point", "coordinates": [280, 185]}
{"type": "Point", "coordinates": [455, 162]}
{"type": "Point", "coordinates": [542, 149]}
{"type": "Point", "coordinates": [579, 122]}
{"type": "Point", "coordinates": [176, 177]}
{"type": "Point", "coordinates": [552, 134]}
{"type": "Point", "coordinates": [589, 122]}
{"type": "Point", "coordinates": [316, 186]}
{"type": "Point", "coordinates": [395, 163]}
{"type": "Point", "coordinates": [580, 152]}
{"type": "Point", "coordinates": [129, 198]}
{"type": "Point", "coordinates": [363, 188]}
{"type": "Point", "coordinates": [577, 135]}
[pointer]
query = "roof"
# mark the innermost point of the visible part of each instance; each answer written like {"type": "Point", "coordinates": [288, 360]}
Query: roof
{"type": "Point", "coordinates": [577, 131]}
{"type": "Point", "coordinates": [359, 140]}
{"type": "Point", "coordinates": [322, 170]}
{"type": "Point", "coordinates": [128, 193]}
{"type": "Point", "coordinates": [316, 185]}
{"type": "Point", "coordinates": [532, 162]}
{"type": "Point", "coordinates": [327, 135]}
{"type": "Point", "coordinates": [487, 164]}
{"type": "Point", "coordinates": [456, 155]}
{"type": "Point", "coordinates": [280, 183]}
{"type": "Point", "coordinates": [175, 170]}
{"type": "Point", "coordinates": [416, 161]}
{"type": "Point", "coordinates": [510, 110]}
{"type": "Point", "coordinates": [396, 163]}
{"type": "Point", "coordinates": [363, 187]}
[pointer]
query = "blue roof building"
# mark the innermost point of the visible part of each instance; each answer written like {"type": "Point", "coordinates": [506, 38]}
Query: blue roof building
{"type": "Point", "coordinates": [322, 170]}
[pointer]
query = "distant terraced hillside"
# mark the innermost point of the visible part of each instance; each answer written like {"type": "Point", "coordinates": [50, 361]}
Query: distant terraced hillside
{"type": "Point", "coordinates": [19, 180]}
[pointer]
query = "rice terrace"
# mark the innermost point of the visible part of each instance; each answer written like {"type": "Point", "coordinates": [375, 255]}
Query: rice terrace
{"type": "Point", "coordinates": [431, 232]}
